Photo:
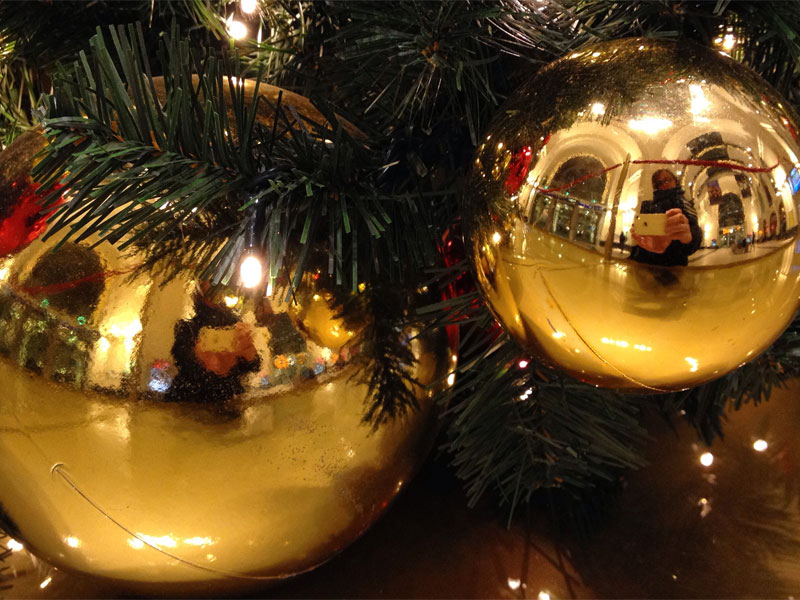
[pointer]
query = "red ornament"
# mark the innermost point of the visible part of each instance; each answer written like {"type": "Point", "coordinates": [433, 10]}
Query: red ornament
{"type": "Point", "coordinates": [518, 169]}
{"type": "Point", "coordinates": [25, 220]}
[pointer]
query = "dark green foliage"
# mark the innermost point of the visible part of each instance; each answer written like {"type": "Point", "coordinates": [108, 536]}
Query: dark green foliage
{"type": "Point", "coordinates": [515, 428]}
{"type": "Point", "coordinates": [385, 359]}
{"type": "Point", "coordinates": [36, 34]}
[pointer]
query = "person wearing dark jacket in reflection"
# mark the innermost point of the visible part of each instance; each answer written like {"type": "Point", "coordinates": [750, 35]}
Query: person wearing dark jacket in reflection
{"type": "Point", "coordinates": [212, 351]}
{"type": "Point", "coordinates": [683, 235]}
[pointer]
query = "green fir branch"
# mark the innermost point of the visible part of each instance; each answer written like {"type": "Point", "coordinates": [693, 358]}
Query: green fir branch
{"type": "Point", "coordinates": [385, 359]}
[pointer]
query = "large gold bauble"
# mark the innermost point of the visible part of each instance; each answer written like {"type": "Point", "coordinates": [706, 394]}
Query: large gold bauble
{"type": "Point", "coordinates": [166, 432]}
{"type": "Point", "coordinates": [567, 166]}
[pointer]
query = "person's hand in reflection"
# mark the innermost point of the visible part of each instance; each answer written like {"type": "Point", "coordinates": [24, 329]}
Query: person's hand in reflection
{"type": "Point", "coordinates": [676, 228]}
{"type": "Point", "coordinates": [682, 234]}
{"type": "Point", "coordinates": [219, 349]}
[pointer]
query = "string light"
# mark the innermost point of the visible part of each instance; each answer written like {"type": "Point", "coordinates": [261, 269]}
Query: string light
{"type": "Point", "coordinates": [236, 29]}
{"type": "Point", "coordinates": [248, 6]}
{"type": "Point", "coordinates": [706, 459]}
{"type": "Point", "coordinates": [760, 445]}
{"type": "Point", "coordinates": [250, 271]}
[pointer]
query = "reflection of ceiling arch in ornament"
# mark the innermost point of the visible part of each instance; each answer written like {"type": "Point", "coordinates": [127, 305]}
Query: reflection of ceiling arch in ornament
{"type": "Point", "coordinates": [576, 168]}
{"type": "Point", "coordinates": [607, 144]}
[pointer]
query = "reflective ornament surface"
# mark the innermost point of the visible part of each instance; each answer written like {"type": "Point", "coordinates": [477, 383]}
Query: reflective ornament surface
{"type": "Point", "coordinates": [164, 431]}
{"type": "Point", "coordinates": [633, 215]}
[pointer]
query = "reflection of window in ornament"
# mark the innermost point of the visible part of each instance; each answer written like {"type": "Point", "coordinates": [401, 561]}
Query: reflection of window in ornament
{"type": "Point", "coordinates": [731, 211]}
{"type": "Point", "coordinates": [743, 182]}
{"type": "Point", "coordinates": [586, 225]}
{"type": "Point", "coordinates": [782, 217]}
{"type": "Point", "coordinates": [284, 336]}
{"type": "Point", "coordinates": [541, 211]}
{"type": "Point", "coordinates": [708, 146]}
{"type": "Point", "coordinates": [70, 355]}
{"type": "Point", "coordinates": [562, 218]}
{"type": "Point", "coordinates": [590, 190]}
{"type": "Point", "coordinates": [35, 342]}
{"type": "Point", "coordinates": [10, 312]}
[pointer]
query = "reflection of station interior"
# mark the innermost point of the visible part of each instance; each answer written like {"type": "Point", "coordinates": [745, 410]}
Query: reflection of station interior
{"type": "Point", "coordinates": [131, 479]}
{"type": "Point", "coordinates": [735, 208]}
{"type": "Point", "coordinates": [555, 192]}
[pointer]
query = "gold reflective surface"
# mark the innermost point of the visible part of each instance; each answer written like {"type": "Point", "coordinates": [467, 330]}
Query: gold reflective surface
{"type": "Point", "coordinates": [633, 215]}
{"type": "Point", "coordinates": [165, 431]}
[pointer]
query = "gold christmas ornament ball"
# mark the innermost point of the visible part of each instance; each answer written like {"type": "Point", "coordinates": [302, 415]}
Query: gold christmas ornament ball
{"type": "Point", "coordinates": [633, 215]}
{"type": "Point", "coordinates": [156, 431]}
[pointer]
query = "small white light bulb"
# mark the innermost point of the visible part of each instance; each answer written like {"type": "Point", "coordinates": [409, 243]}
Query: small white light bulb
{"type": "Point", "coordinates": [250, 271]}
{"type": "Point", "coordinates": [236, 29]}
{"type": "Point", "coordinates": [760, 445]}
{"type": "Point", "coordinates": [706, 459]}
{"type": "Point", "coordinates": [248, 6]}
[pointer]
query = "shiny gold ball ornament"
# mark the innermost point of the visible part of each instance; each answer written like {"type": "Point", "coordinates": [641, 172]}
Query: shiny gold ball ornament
{"type": "Point", "coordinates": [164, 431]}
{"type": "Point", "coordinates": [633, 215]}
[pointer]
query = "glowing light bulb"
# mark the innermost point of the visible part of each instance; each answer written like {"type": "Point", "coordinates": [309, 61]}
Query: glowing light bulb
{"type": "Point", "coordinates": [248, 6]}
{"type": "Point", "coordinates": [73, 542]}
{"type": "Point", "coordinates": [543, 595]}
{"type": "Point", "coordinates": [14, 545]}
{"type": "Point", "coordinates": [729, 41]}
{"type": "Point", "coordinates": [514, 583]}
{"type": "Point", "coordinates": [236, 29]}
{"type": "Point", "coordinates": [706, 459]}
{"type": "Point", "coordinates": [523, 363]}
{"type": "Point", "coordinates": [250, 271]}
{"type": "Point", "coordinates": [231, 301]}
{"type": "Point", "coordinates": [760, 445]}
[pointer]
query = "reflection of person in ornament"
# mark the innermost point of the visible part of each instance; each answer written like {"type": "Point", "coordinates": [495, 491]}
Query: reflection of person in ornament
{"type": "Point", "coordinates": [212, 351]}
{"type": "Point", "coordinates": [682, 234]}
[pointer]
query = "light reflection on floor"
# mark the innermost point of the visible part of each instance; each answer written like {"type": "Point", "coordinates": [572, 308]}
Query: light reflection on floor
{"type": "Point", "coordinates": [699, 522]}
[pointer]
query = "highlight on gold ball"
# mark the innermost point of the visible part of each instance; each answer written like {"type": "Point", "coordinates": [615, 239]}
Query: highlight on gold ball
{"type": "Point", "coordinates": [632, 214]}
